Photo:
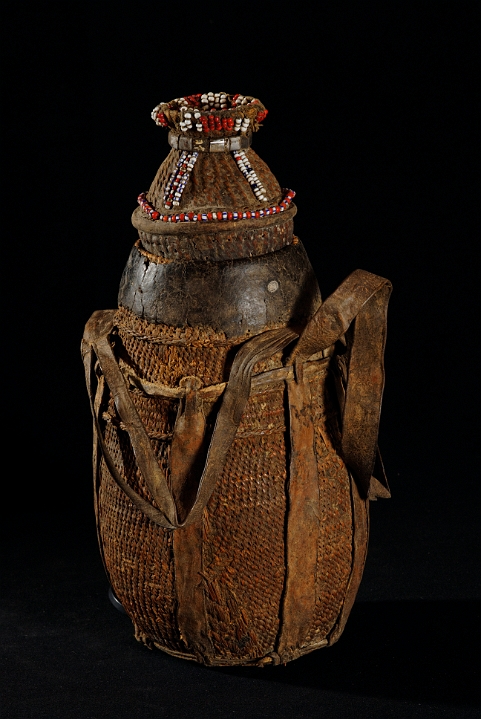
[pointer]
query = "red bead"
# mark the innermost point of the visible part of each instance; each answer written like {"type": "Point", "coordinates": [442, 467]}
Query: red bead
{"type": "Point", "coordinates": [165, 218]}
{"type": "Point", "coordinates": [155, 215]}
{"type": "Point", "coordinates": [277, 208]}
{"type": "Point", "coordinates": [229, 215]}
{"type": "Point", "coordinates": [190, 215]}
{"type": "Point", "coordinates": [199, 217]}
{"type": "Point", "coordinates": [182, 217]}
{"type": "Point", "coordinates": [257, 213]}
{"type": "Point", "coordinates": [209, 215]}
{"type": "Point", "coordinates": [248, 215]}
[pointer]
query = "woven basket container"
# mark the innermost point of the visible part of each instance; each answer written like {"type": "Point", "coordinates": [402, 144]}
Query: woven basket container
{"type": "Point", "coordinates": [235, 414]}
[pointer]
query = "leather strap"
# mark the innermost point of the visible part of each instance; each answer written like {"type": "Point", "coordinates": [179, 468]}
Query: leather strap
{"type": "Point", "coordinates": [359, 308]}
{"type": "Point", "coordinates": [96, 342]}
{"type": "Point", "coordinates": [302, 525]}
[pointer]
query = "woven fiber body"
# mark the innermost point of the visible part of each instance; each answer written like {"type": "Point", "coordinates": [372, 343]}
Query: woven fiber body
{"type": "Point", "coordinates": [242, 550]}
{"type": "Point", "coordinates": [235, 414]}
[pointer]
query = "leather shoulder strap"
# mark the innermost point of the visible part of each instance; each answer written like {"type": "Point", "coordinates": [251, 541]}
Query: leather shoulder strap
{"type": "Point", "coordinates": [359, 304]}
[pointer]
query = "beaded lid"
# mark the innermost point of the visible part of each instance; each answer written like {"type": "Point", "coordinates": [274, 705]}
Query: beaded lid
{"type": "Point", "coordinates": [212, 176]}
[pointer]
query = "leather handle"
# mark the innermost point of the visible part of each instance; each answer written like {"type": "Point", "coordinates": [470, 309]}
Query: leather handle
{"type": "Point", "coordinates": [360, 306]}
{"type": "Point", "coordinates": [96, 342]}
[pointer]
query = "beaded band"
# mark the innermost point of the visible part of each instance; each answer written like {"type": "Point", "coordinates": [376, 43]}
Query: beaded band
{"type": "Point", "coordinates": [211, 113]}
{"type": "Point", "coordinates": [204, 144]}
{"type": "Point", "coordinates": [244, 166]}
{"type": "Point", "coordinates": [216, 216]}
{"type": "Point", "coordinates": [179, 179]}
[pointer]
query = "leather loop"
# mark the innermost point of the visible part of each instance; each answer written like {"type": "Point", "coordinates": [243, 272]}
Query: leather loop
{"type": "Point", "coordinates": [360, 306]}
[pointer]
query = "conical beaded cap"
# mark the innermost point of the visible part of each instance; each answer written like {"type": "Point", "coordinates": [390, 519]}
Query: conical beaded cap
{"type": "Point", "coordinates": [212, 184]}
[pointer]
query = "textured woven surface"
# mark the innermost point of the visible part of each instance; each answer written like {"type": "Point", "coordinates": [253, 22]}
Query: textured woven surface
{"type": "Point", "coordinates": [334, 554]}
{"type": "Point", "coordinates": [243, 552]}
{"type": "Point", "coordinates": [163, 354]}
{"type": "Point", "coordinates": [216, 183]}
{"type": "Point", "coordinates": [221, 244]}
{"type": "Point", "coordinates": [138, 553]}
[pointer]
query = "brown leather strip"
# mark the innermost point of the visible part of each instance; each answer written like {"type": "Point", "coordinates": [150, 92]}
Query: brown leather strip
{"type": "Point", "coordinates": [362, 298]}
{"type": "Point", "coordinates": [186, 451]}
{"type": "Point", "coordinates": [259, 382]}
{"type": "Point", "coordinates": [235, 398]}
{"type": "Point", "coordinates": [96, 459]}
{"type": "Point", "coordinates": [191, 616]}
{"type": "Point", "coordinates": [302, 523]}
{"type": "Point", "coordinates": [151, 512]}
{"type": "Point", "coordinates": [335, 315]}
{"type": "Point", "coordinates": [97, 331]}
{"type": "Point", "coordinates": [365, 386]}
{"type": "Point", "coordinates": [359, 551]}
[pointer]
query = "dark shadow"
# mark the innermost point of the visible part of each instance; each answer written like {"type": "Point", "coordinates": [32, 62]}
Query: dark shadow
{"type": "Point", "coordinates": [416, 651]}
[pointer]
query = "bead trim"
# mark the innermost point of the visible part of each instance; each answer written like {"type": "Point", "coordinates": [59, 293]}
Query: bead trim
{"type": "Point", "coordinates": [216, 216]}
{"type": "Point", "coordinates": [179, 179]}
{"type": "Point", "coordinates": [245, 167]}
{"type": "Point", "coordinates": [211, 112]}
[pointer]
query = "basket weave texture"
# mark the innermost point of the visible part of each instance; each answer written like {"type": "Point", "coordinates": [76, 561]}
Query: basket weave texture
{"type": "Point", "coordinates": [243, 525]}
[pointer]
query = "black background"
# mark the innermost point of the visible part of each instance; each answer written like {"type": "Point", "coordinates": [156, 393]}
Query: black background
{"type": "Point", "coordinates": [372, 112]}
